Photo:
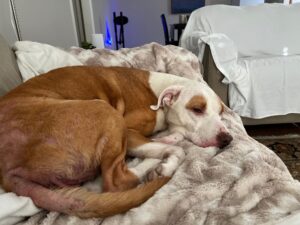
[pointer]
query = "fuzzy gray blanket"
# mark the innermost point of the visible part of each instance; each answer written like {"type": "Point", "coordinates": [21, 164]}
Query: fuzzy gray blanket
{"type": "Point", "coordinates": [245, 184]}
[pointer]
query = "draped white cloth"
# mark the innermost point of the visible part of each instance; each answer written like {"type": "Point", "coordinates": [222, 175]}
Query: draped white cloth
{"type": "Point", "coordinates": [257, 48]}
{"type": "Point", "coordinates": [14, 208]}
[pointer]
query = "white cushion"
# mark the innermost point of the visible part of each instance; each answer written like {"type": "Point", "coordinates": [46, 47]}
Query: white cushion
{"type": "Point", "coordinates": [35, 58]}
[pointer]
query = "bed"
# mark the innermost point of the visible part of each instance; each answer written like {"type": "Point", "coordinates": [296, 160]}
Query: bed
{"type": "Point", "coordinates": [244, 184]}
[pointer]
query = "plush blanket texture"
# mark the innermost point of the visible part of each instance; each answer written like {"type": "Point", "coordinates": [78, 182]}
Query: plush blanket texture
{"type": "Point", "coordinates": [244, 184]}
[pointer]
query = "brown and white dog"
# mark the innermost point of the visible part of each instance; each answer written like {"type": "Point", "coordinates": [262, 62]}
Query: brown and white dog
{"type": "Point", "coordinates": [63, 128]}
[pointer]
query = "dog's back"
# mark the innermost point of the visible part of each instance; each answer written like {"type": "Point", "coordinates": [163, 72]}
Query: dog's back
{"type": "Point", "coordinates": [83, 82]}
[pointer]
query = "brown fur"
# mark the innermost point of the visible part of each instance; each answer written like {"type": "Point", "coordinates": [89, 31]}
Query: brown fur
{"type": "Point", "coordinates": [198, 102]}
{"type": "Point", "coordinates": [62, 128]}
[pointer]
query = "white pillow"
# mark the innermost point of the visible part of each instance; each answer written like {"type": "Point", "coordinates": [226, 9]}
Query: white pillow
{"type": "Point", "coordinates": [36, 58]}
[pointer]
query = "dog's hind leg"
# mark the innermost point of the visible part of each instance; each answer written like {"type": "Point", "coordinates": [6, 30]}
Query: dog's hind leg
{"type": "Point", "coordinates": [115, 174]}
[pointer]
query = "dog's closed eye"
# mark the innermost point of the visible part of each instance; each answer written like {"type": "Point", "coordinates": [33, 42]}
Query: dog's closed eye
{"type": "Point", "coordinates": [197, 110]}
{"type": "Point", "coordinates": [197, 105]}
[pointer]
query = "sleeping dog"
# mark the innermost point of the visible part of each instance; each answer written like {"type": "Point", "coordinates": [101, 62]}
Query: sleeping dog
{"type": "Point", "coordinates": [63, 128]}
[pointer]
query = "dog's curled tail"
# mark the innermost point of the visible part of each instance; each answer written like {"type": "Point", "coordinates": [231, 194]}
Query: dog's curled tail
{"type": "Point", "coordinates": [88, 204]}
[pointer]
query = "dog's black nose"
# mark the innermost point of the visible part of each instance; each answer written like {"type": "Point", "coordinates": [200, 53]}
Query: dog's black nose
{"type": "Point", "coordinates": [224, 139]}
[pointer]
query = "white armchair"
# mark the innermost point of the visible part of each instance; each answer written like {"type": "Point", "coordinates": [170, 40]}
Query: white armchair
{"type": "Point", "coordinates": [257, 49]}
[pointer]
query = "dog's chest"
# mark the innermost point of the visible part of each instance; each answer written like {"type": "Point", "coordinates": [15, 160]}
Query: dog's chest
{"type": "Point", "coordinates": [160, 121]}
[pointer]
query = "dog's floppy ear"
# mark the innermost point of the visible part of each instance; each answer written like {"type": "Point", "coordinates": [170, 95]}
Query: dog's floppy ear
{"type": "Point", "coordinates": [167, 97]}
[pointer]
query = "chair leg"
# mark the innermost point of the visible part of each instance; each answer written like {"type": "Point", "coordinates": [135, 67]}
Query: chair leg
{"type": "Point", "coordinates": [116, 32]}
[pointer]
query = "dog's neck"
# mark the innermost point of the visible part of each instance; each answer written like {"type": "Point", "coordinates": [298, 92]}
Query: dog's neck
{"type": "Point", "coordinates": [159, 82]}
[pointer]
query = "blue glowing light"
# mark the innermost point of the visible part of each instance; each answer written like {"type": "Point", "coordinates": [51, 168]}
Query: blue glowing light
{"type": "Point", "coordinates": [108, 39]}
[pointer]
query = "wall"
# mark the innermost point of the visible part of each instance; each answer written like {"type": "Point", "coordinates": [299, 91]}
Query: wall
{"type": "Point", "coordinates": [101, 11]}
{"type": "Point", "coordinates": [144, 18]}
{"type": "Point", "coordinates": [51, 22]}
{"type": "Point", "coordinates": [144, 24]}
{"type": "Point", "coordinates": [6, 28]}
{"type": "Point", "coordinates": [251, 2]}
{"type": "Point", "coordinates": [234, 2]}
{"type": "Point", "coordinates": [88, 19]}
{"type": "Point", "coordinates": [255, 2]}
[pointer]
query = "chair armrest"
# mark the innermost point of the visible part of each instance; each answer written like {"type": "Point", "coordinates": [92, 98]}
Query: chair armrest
{"type": "Point", "coordinates": [214, 77]}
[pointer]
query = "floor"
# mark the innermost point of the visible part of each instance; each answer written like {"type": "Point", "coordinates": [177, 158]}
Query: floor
{"type": "Point", "coordinates": [284, 140]}
{"type": "Point", "coordinates": [273, 130]}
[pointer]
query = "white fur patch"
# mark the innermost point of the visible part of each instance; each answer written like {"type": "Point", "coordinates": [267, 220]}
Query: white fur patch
{"type": "Point", "coordinates": [160, 121]}
{"type": "Point", "coordinates": [172, 157]}
{"type": "Point", "coordinates": [144, 167]}
{"type": "Point", "coordinates": [160, 81]}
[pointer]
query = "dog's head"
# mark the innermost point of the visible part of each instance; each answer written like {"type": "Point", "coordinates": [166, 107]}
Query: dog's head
{"type": "Point", "coordinates": [194, 111]}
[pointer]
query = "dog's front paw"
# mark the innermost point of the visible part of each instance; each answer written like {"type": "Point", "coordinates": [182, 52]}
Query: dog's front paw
{"type": "Point", "coordinates": [154, 174]}
{"type": "Point", "coordinates": [165, 169]}
{"type": "Point", "coordinates": [172, 157]}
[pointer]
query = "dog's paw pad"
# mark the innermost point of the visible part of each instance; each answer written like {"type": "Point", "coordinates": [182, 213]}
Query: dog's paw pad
{"type": "Point", "coordinates": [160, 171]}
{"type": "Point", "coordinates": [151, 176]}
{"type": "Point", "coordinates": [156, 173]}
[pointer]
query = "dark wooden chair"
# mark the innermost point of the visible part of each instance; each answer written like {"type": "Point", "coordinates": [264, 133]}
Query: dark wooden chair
{"type": "Point", "coordinates": [120, 21]}
{"type": "Point", "coordinates": [168, 41]}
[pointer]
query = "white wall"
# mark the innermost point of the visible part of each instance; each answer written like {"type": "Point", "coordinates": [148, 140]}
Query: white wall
{"type": "Point", "coordinates": [234, 2]}
{"type": "Point", "coordinates": [6, 28]}
{"type": "Point", "coordinates": [144, 24]}
{"type": "Point", "coordinates": [251, 2]}
{"type": "Point", "coordinates": [255, 2]}
{"type": "Point", "coordinates": [88, 19]}
{"type": "Point", "coordinates": [144, 18]}
{"type": "Point", "coordinates": [47, 21]}
{"type": "Point", "coordinates": [101, 10]}
{"type": "Point", "coordinates": [44, 21]}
